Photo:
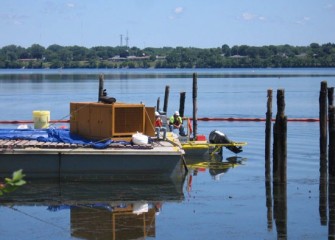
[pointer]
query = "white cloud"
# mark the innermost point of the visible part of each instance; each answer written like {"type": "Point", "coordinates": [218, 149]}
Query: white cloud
{"type": "Point", "coordinates": [176, 13]}
{"type": "Point", "coordinates": [13, 18]}
{"type": "Point", "coordinates": [330, 6]}
{"type": "Point", "coordinates": [247, 16]}
{"type": "Point", "coordinates": [303, 21]}
{"type": "Point", "coordinates": [261, 18]}
{"type": "Point", "coordinates": [179, 10]}
{"type": "Point", "coordinates": [70, 5]}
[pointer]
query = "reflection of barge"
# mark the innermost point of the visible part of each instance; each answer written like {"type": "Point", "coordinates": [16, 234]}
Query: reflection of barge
{"type": "Point", "coordinates": [100, 210]}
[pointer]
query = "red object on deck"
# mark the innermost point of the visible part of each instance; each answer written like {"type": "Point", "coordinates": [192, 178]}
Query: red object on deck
{"type": "Point", "coordinates": [201, 138]}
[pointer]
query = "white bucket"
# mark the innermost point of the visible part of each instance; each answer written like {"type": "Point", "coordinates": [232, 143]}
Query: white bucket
{"type": "Point", "coordinates": [41, 119]}
{"type": "Point", "coordinates": [140, 139]}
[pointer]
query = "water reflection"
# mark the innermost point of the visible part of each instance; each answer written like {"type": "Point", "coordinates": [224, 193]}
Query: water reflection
{"type": "Point", "coordinates": [268, 193]}
{"type": "Point", "coordinates": [323, 191]}
{"type": "Point", "coordinates": [331, 202]}
{"type": "Point", "coordinates": [280, 208]}
{"type": "Point", "coordinates": [101, 210]}
{"type": "Point", "coordinates": [166, 73]}
{"type": "Point", "coordinates": [215, 164]}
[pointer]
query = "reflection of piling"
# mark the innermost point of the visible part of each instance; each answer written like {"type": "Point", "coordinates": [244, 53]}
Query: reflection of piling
{"type": "Point", "coordinates": [280, 209]}
{"type": "Point", "coordinates": [268, 136]}
{"type": "Point", "coordinates": [323, 120]}
{"type": "Point", "coordinates": [158, 104]}
{"type": "Point", "coordinates": [195, 105]}
{"type": "Point", "coordinates": [166, 98]}
{"type": "Point", "coordinates": [268, 203]}
{"type": "Point", "coordinates": [280, 140]}
{"type": "Point", "coordinates": [331, 199]}
{"type": "Point", "coordinates": [323, 191]}
{"type": "Point", "coordinates": [182, 104]}
{"type": "Point", "coordinates": [331, 153]}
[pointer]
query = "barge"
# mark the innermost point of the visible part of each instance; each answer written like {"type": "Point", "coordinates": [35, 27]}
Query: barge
{"type": "Point", "coordinates": [159, 160]}
{"type": "Point", "coordinates": [107, 140]}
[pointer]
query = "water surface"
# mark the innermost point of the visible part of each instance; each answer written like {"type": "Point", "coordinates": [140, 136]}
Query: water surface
{"type": "Point", "coordinates": [223, 202]}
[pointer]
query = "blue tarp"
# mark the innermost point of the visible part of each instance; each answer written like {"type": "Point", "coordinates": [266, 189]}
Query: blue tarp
{"type": "Point", "coordinates": [51, 135]}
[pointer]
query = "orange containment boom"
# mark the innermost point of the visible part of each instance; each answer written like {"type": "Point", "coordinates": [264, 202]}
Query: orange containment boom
{"type": "Point", "coordinates": [257, 119]}
{"type": "Point", "coordinates": [29, 121]}
{"type": "Point", "coordinates": [199, 119]}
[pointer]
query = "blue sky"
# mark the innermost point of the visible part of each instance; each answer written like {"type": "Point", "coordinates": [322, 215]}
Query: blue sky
{"type": "Point", "coordinates": [159, 23]}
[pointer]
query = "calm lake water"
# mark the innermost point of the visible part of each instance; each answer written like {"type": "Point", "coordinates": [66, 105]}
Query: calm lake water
{"type": "Point", "coordinates": [216, 201]}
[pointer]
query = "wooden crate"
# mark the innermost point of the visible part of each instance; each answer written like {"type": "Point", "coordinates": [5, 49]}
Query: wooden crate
{"type": "Point", "coordinates": [128, 119]}
{"type": "Point", "coordinates": [101, 121]}
{"type": "Point", "coordinates": [149, 121]}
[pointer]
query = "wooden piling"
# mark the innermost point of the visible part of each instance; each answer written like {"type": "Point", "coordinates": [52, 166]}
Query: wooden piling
{"type": "Point", "coordinates": [331, 96]}
{"type": "Point", "coordinates": [158, 104]}
{"type": "Point", "coordinates": [195, 105]}
{"type": "Point", "coordinates": [268, 136]}
{"type": "Point", "coordinates": [166, 99]}
{"type": "Point", "coordinates": [323, 120]}
{"type": "Point", "coordinates": [280, 140]}
{"type": "Point", "coordinates": [268, 189]}
{"type": "Point", "coordinates": [331, 150]}
{"type": "Point", "coordinates": [101, 86]}
{"type": "Point", "coordinates": [182, 104]}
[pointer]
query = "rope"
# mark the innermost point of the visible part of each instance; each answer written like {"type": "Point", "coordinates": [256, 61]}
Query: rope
{"type": "Point", "coordinates": [151, 123]}
{"type": "Point", "coordinates": [36, 218]}
{"type": "Point", "coordinates": [69, 115]}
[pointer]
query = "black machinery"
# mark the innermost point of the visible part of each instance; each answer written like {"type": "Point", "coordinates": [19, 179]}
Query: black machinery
{"type": "Point", "coordinates": [217, 137]}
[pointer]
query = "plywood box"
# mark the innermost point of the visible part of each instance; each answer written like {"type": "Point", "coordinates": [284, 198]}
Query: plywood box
{"type": "Point", "coordinates": [102, 121]}
{"type": "Point", "coordinates": [149, 121]}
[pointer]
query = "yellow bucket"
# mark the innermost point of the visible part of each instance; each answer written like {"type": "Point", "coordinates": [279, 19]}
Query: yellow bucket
{"type": "Point", "coordinates": [41, 119]}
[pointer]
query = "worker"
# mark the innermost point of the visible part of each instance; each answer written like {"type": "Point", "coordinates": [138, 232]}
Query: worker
{"type": "Point", "coordinates": [176, 122]}
{"type": "Point", "coordinates": [159, 126]}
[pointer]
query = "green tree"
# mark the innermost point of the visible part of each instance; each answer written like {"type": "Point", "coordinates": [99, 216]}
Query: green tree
{"type": "Point", "coordinates": [36, 51]}
{"type": "Point", "coordinates": [225, 50]}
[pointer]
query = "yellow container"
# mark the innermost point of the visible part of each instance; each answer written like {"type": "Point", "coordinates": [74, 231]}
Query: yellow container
{"type": "Point", "coordinates": [41, 119]}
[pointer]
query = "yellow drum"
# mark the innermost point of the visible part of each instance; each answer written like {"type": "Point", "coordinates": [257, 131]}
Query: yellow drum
{"type": "Point", "coordinates": [41, 119]}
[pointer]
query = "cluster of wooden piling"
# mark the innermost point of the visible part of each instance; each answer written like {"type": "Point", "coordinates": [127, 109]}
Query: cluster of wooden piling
{"type": "Point", "coordinates": [279, 165]}
{"type": "Point", "coordinates": [327, 131]}
{"type": "Point", "coordinates": [182, 103]}
{"type": "Point", "coordinates": [279, 139]}
{"type": "Point", "coordinates": [327, 181]}
{"type": "Point", "coordinates": [327, 115]}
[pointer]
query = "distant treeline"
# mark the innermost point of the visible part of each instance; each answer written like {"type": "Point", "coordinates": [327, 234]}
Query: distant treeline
{"type": "Point", "coordinates": [243, 56]}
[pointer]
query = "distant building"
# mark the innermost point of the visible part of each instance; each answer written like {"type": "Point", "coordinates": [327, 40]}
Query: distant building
{"type": "Point", "coordinates": [117, 58]}
{"type": "Point", "coordinates": [301, 55]}
{"type": "Point", "coordinates": [134, 58]}
{"type": "Point", "coordinates": [160, 58]}
{"type": "Point", "coordinates": [27, 59]}
{"type": "Point", "coordinates": [238, 56]}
